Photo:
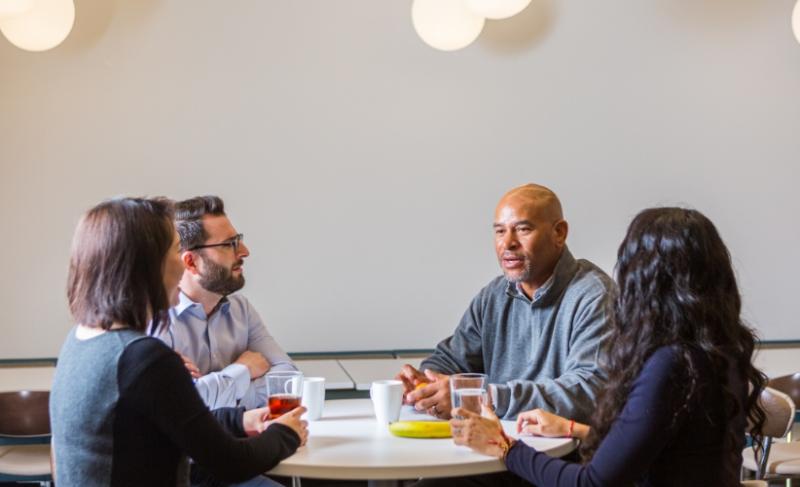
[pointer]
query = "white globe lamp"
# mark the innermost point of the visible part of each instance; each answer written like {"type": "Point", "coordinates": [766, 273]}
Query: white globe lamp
{"type": "Point", "coordinates": [446, 25]}
{"type": "Point", "coordinates": [9, 8]}
{"type": "Point", "coordinates": [43, 27]}
{"type": "Point", "coordinates": [497, 9]}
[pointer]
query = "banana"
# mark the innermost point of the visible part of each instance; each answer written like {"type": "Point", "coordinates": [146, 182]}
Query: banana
{"type": "Point", "coordinates": [421, 429]}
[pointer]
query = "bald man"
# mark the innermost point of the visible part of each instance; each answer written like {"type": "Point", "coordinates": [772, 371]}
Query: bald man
{"type": "Point", "coordinates": [536, 330]}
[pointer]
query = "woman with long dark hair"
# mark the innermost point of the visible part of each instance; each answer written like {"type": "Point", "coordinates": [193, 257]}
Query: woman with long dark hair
{"type": "Point", "coordinates": [123, 408]}
{"type": "Point", "coordinates": [681, 386]}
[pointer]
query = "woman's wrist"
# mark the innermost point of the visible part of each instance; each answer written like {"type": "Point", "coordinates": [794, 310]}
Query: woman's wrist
{"type": "Point", "coordinates": [509, 445]}
{"type": "Point", "coordinates": [578, 430]}
{"type": "Point", "coordinates": [506, 444]}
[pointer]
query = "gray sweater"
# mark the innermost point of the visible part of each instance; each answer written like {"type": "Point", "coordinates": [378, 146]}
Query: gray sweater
{"type": "Point", "coordinates": [539, 353]}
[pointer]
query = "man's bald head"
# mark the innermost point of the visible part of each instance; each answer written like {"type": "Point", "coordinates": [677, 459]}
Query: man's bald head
{"type": "Point", "coordinates": [541, 197]}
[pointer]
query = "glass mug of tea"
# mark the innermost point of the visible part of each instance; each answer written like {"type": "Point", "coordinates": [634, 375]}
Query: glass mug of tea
{"type": "Point", "coordinates": [284, 391]}
{"type": "Point", "coordinates": [468, 391]}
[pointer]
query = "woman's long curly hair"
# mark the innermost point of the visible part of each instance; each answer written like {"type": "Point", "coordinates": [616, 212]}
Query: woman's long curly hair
{"type": "Point", "coordinates": [677, 288]}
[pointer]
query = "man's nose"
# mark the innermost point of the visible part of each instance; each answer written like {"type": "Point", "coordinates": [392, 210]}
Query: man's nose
{"type": "Point", "coordinates": [510, 240]}
{"type": "Point", "coordinates": [243, 250]}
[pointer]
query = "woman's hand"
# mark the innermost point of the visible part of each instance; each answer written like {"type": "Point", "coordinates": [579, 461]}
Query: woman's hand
{"type": "Point", "coordinates": [292, 420]}
{"type": "Point", "coordinates": [482, 434]}
{"type": "Point", "coordinates": [255, 421]}
{"type": "Point", "coordinates": [542, 423]}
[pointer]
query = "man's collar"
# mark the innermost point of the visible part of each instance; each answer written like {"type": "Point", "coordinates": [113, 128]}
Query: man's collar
{"type": "Point", "coordinates": [184, 303]}
{"type": "Point", "coordinates": [558, 280]}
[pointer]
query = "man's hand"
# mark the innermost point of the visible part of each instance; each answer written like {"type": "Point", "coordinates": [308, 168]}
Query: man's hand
{"type": "Point", "coordinates": [411, 378]}
{"type": "Point", "coordinates": [190, 366]}
{"type": "Point", "coordinates": [434, 397]}
{"type": "Point", "coordinates": [255, 362]}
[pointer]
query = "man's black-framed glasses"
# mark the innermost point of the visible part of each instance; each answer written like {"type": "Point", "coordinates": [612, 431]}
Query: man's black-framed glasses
{"type": "Point", "coordinates": [231, 242]}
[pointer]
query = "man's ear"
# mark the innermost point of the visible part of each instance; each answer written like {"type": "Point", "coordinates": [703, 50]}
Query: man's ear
{"type": "Point", "coordinates": [561, 229]}
{"type": "Point", "coordinates": [190, 261]}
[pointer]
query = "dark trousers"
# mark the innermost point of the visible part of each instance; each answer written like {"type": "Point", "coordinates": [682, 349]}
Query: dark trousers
{"type": "Point", "coordinates": [500, 479]}
{"type": "Point", "coordinates": [489, 479]}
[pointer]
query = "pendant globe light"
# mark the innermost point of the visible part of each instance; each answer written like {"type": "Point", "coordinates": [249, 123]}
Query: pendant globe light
{"type": "Point", "coordinates": [446, 25]}
{"type": "Point", "coordinates": [497, 9]}
{"type": "Point", "coordinates": [44, 26]}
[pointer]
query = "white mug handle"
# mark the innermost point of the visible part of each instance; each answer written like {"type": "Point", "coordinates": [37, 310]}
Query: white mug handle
{"type": "Point", "coordinates": [291, 386]}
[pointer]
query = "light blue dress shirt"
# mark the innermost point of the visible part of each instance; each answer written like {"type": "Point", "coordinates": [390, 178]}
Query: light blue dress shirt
{"type": "Point", "coordinates": [214, 343]}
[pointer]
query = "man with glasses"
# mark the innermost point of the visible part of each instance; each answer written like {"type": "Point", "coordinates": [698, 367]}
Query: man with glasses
{"type": "Point", "coordinates": [223, 342]}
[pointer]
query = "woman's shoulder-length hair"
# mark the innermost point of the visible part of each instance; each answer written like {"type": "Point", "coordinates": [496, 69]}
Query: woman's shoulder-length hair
{"type": "Point", "coordinates": [116, 263]}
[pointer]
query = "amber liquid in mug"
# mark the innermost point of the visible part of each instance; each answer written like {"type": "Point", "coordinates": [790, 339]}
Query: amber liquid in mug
{"type": "Point", "coordinates": [280, 404]}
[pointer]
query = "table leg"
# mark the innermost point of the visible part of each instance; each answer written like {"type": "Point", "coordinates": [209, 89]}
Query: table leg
{"type": "Point", "coordinates": [296, 482]}
{"type": "Point", "coordinates": [384, 483]}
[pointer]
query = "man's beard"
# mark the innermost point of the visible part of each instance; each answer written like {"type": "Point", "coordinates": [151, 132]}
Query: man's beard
{"type": "Point", "coordinates": [521, 276]}
{"type": "Point", "coordinates": [219, 279]}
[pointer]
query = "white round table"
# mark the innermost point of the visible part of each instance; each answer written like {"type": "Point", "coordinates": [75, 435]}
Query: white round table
{"type": "Point", "coordinates": [347, 443]}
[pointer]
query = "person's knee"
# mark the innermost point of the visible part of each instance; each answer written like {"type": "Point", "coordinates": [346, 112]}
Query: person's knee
{"type": "Point", "coordinates": [260, 481]}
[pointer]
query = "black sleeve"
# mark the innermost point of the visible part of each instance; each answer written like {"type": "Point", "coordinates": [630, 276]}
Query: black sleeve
{"type": "Point", "coordinates": [232, 419]}
{"type": "Point", "coordinates": [154, 382]}
{"type": "Point", "coordinates": [637, 437]}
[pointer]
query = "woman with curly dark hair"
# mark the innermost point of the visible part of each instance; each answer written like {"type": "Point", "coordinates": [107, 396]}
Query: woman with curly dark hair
{"type": "Point", "coordinates": [681, 385]}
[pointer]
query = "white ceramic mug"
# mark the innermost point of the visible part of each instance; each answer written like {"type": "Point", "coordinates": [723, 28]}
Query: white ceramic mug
{"type": "Point", "coordinates": [387, 398]}
{"type": "Point", "coordinates": [313, 397]}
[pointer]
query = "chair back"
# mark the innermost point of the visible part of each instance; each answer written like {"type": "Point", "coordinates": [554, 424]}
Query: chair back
{"type": "Point", "coordinates": [789, 385]}
{"type": "Point", "coordinates": [780, 411]}
{"type": "Point", "coordinates": [24, 413]}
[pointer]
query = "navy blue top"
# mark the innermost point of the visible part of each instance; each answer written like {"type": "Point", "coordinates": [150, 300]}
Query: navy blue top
{"type": "Point", "coordinates": [642, 446]}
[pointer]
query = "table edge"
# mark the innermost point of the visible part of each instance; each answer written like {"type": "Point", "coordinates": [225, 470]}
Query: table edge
{"type": "Point", "coordinates": [491, 465]}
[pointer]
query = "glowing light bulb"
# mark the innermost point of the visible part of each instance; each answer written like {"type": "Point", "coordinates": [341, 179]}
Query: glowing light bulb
{"type": "Point", "coordinates": [9, 8]}
{"type": "Point", "coordinates": [447, 25]}
{"type": "Point", "coordinates": [497, 9]}
{"type": "Point", "coordinates": [42, 27]}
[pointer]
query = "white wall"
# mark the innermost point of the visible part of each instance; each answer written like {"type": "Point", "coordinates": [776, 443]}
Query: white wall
{"type": "Point", "coordinates": [363, 166]}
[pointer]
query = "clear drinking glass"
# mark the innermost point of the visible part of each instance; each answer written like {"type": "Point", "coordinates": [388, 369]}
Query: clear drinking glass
{"type": "Point", "coordinates": [284, 391]}
{"type": "Point", "coordinates": [468, 391]}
